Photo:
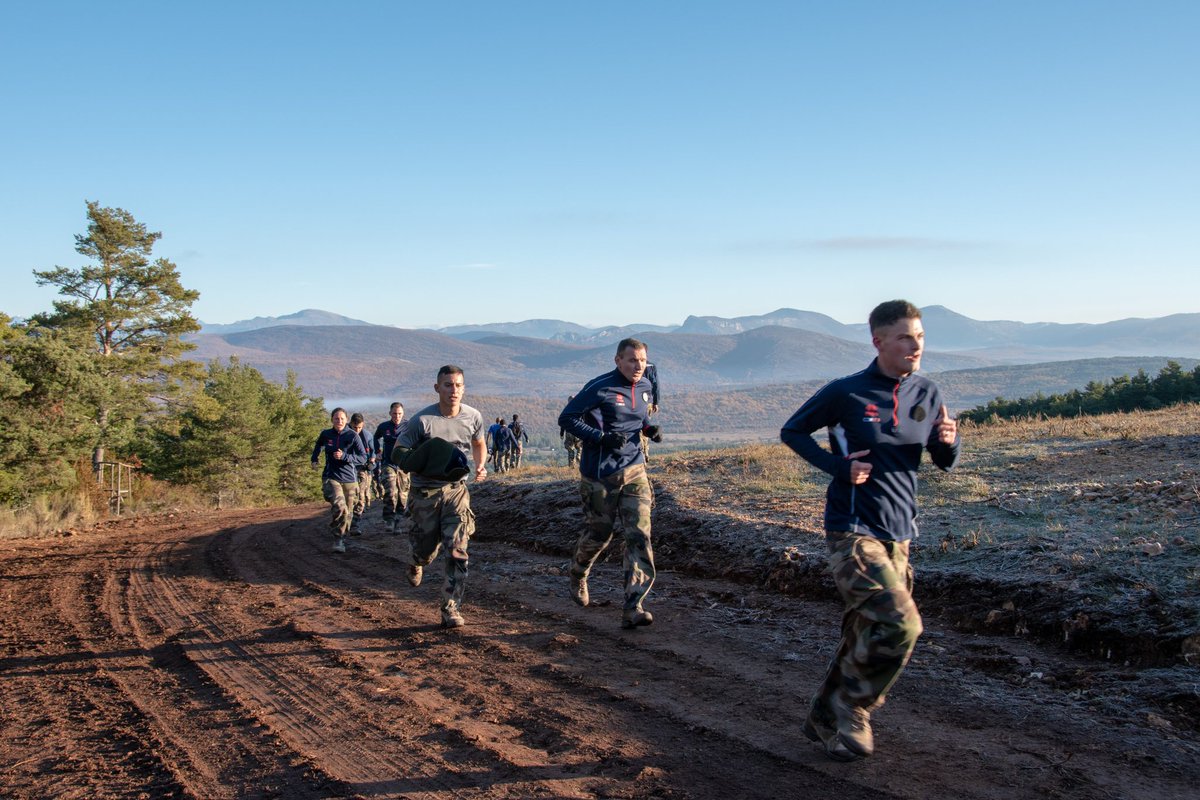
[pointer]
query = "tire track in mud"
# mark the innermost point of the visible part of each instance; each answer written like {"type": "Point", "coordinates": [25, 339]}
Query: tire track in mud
{"type": "Point", "coordinates": [66, 686]}
{"type": "Point", "coordinates": [278, 677]}
{"type": "Point", "coordinates": [568, 716]}
{"type": "Point", "coordinates": [233, 655]}
{"type": "Point", "coordinates": [737, 682]}
{"type": "Point", "coordinates": [212, 747]}
{"type": "Point", "coordinates": [379, 645]}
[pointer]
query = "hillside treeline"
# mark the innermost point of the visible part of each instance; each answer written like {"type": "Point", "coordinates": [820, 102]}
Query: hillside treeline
{"type": "Point", "coordinates": [1140, 392]}
{"type": "Point", "coordinates": [101, 379]}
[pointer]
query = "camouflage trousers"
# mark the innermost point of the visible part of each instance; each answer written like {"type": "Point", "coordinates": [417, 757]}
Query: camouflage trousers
{"type": "Point", "coordinates": [396, 484]}
{"type": "Point", "coordinates": [362, 498]}
{"type": "Point", "coordinates": [442, 518]}
{"type": "Point", "coordinates": [341, 498]}
{"type": "Point", "coordinates": [880, 625]}
{"type": "Point", "coordinates": [573, 447]}
{"type": "Point", "coordinates": [626, 495]}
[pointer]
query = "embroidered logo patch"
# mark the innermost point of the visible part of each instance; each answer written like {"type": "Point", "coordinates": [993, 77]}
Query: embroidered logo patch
{"type": "Point", "coordinates": [871, 413]}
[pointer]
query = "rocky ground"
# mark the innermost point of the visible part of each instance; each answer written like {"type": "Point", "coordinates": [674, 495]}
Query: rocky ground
{"type": "Point", "coordinates": [230, 654]}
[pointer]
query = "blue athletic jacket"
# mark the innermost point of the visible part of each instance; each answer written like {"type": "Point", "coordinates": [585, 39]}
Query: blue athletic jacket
{"type": "Point", "coordinates": [368, 448]}
{"type": "Point", "coordinates": [343, 470]}
{"type": "Point", "coordinates": [503, 439]}
{"type": "Point", "coordinates": [609, 403]}
{"type": "Point", "coordinates": [388, 432]}
{"type": "Point", "coordinates": [895, 420]}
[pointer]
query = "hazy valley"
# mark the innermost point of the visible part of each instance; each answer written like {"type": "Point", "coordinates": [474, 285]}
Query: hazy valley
{"type": "Point", "coordinates": [744, 373]}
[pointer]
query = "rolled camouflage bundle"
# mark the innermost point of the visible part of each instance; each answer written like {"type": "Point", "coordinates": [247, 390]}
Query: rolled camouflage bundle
{"type": "Point", "coordinates": [433, 458]}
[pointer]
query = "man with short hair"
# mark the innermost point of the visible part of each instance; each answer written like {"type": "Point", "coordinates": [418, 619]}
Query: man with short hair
{"type": "Point", "coordinates": [879, 421]}
{"type": "Point", "coordinates": [607, 415]}
{"type": "Point", "coordinates": [440, 504]}
{"type": "Point", "coordinates": [339, 485]}
{"type": "Point", "coordinates": [395, 480]}
{"type": "Point", "coordinates": [362, 498]}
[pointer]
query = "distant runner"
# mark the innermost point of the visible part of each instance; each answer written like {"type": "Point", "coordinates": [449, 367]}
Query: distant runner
{"type": "Point", "coordinates": [503, 443]}
{"type": "Point", "coordinates": [339, 485]}
{"type": "Point", "coordinates": [521, 437]}
{"type": "Point", "coordinates": [395, 480]}
{"type": "Point", "coordinates": [362, 498]}
{"type": "Point", "coordinates": [570, 442]}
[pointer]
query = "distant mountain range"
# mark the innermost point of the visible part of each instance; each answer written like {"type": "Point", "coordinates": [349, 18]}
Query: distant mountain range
{"type": "Point", "coordinates": [996, 340]}
{"type": "Point", "coordinates": [335, 356]}
{"type": "Point", "coordinates": [999, 340]}
{"type": "Point", "coordinates": [307, 317]}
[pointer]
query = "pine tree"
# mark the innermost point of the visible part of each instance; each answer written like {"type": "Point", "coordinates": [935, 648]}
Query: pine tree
{"type": "Point", "coordinates": [241, 438]}
{"type": "Point", "coordinates": [47, 420]}
{"type": "Point", "coordinates": [136, 313]}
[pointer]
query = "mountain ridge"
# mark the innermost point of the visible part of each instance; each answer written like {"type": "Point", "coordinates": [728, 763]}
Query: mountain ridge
{"type": "Point", "coordinates": [996, 340]}
{"type": "Point", "coordinates": [975, 361]}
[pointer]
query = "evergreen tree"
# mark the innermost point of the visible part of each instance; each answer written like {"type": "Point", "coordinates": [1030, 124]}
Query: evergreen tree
{"type": "Point", "coordinates": [1123, 393]}
{"type": "Point", "coordinates": [47, 420]}
{"type": "Point", "coordinates": [297, 419]}
{"type": "Point", "coordinates": [241, 438]}
{"type": "Point", "coordinates": [135, 311]}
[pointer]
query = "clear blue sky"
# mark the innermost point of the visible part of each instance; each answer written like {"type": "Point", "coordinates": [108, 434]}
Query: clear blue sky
{"type": "Point", "coordinates": [428, 164]}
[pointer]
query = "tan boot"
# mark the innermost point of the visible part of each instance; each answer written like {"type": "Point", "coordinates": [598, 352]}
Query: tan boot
{"type": "Point", "coordinates": [451, 617]}
{"type": "Point", "coordinates": [579, 590]}
{"type": "Point", "coordinates": [853, 729]}
{"type": "Point", "coordinates": [636, 618]}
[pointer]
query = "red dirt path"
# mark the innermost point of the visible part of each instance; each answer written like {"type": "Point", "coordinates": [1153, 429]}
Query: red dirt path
{"type": "Point", "coordinates": [229, 654]}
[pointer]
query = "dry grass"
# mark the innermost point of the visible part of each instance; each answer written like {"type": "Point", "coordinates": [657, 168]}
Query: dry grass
{"type": "Point", "coordinates": [46, 515]}
{"type": "Point", "coordinates": [535, 473]}
{"type": "Point", "coordinates": [762, 470]}
{"type": "Point", "coordinates": [1107, 504]}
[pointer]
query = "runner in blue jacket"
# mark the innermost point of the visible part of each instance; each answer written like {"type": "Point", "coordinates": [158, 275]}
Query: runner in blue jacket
{"type": "Point", "coordinates": [395, 480]}
{"type": "Point", "coordinates": [343, 453]}
{"type": "Point", "coordinates": [879, 421]}
{"type": "Point", "coordinates": [893, 419]}
{"type": "Point", "coordinates": [608, 415]}
{"type": "Point", "coordinates": [616, 405]}
{"type": "Point", "coordinates": [362, 500]}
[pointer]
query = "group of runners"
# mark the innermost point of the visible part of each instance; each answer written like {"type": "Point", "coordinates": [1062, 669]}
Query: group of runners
{"type": "Point", "coordinates": [879, 422]}
{"type": "Point", "coordinates": [506, 442]}
{"type": "Point", "coordinates": [359, 468]}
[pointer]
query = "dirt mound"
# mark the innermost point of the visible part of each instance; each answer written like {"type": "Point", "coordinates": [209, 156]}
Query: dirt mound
{"type": "Point", "coordinates": [765, 550]}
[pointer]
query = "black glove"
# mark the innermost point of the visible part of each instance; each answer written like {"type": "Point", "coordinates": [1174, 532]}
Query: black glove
{"type": "Point", "coordinates": [612, 440]}
{"type": "Point", "coordinates": [653, 433]}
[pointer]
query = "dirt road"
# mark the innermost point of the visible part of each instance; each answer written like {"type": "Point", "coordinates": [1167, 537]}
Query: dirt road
{"type": "Point", "coordinates": [232, 655]}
